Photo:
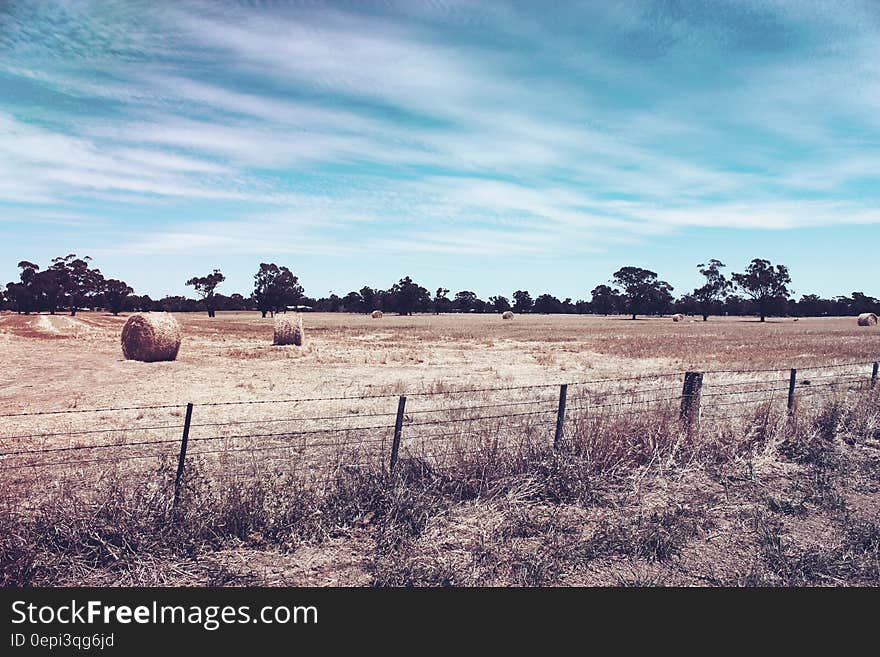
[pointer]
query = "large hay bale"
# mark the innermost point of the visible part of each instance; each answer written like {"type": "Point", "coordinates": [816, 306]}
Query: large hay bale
{"type": "Point", "coordinates": [867, 319]}
{"type": "Point", "coordinates": [288, 330]}
{"type": "Point", "coordinates": [151, 337]}
{"type": "Point", "coordinates": [507, 314]}
{"type": "Point", "coordinates": [678, 317]}
{"type": "Point", "coordinates": [377, 314]}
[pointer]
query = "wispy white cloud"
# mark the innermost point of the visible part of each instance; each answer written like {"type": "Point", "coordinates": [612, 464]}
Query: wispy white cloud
{"type": "Point", "coordinates": [444, 127]}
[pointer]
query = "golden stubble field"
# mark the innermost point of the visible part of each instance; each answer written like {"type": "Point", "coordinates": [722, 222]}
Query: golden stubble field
{"type": "Point", "coordinates": [57, 362]}
{"type": "Point", "coordinates": [632, 497]}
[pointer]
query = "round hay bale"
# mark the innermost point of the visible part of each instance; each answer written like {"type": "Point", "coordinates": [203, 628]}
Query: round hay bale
{"type": "Point", "coordinates": [377, 314]}
{"type": "Point", "coordinates": [507, 314]}
{"type": "Point", "coordinates": [678, 317]}
{"type": "Point", "coordinates": [288, 330]}
{"type": "Point", "coordinates": [151, 337]}
{"type": "Point", "coordinates": [867, 319]}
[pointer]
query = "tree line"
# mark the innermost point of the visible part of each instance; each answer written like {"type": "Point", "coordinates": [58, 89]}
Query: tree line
{"type": "Point", "coordinates": [70, 283]}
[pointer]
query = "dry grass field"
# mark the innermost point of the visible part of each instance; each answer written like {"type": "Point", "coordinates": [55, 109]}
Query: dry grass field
{"type": "Point", "coordinates": [633, 496]}
{"type": "Point", "coordinates": [63, 362]}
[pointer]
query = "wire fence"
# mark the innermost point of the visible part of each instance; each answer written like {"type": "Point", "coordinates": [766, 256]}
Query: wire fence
{"type": "Point", "coordinates": [319, 435]}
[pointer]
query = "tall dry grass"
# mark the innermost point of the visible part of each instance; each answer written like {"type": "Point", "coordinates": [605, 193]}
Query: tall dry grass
{"type": "Point", "coordinates": [124, 530]}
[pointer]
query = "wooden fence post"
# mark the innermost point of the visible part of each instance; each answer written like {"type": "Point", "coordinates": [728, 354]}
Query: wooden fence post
{"type": "Point", "coordinates": [792, 381]}
{"type": "Point", "coordinates": [398, 428]}
{"type": "Point", "coordinates": [690, 397]}
{"type": "Point", "coordinates": [182, 458]}
{"type": "Point", "coordinates": [560, 415]}
{"type": "Point", "coordinates": [874, 376]}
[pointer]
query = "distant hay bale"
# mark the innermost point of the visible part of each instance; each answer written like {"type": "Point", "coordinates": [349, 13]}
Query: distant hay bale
{"type": "Point", "coordinates": [377, 314]}
{"type": "Point", "coordinates": [678, 317]}
{"type": "Point", "coordinates": [867, 319]}
{"type": "Point", "coordinates": [288, 330]}
{"type": "Point", "coordinates": [151, 337]}
{"type": "Point", "coordinates": [507, 314]}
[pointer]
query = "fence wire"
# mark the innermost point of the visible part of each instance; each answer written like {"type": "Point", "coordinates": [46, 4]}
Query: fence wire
{"type": "Point", "coordinates": [426, 424]}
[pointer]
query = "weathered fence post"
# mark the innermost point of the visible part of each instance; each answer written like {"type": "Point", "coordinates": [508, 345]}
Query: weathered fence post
{"type": "Point", "coordinates": [690, 397]}
{"type": "Point", "coordinates": [182, 458]}
{"type": "Point", "coordinates": [560, 415]}
{"type": "Point", "coordinates": [874, 376]}
{"type": "Point", "coordinates": [398, 428]}
{"type": "Point", "coordinates": [792, 381]}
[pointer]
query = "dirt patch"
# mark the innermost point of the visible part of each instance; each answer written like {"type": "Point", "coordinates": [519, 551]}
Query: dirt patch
{"type": "Point", "coordinates": [340, 561]}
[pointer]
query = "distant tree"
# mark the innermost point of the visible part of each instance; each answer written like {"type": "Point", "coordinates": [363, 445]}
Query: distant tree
{"type": "Point", "coordinates": [735, 305]}
{"type": "Point", "coordinates": [50, 285]}
{"type": "Point", "coordinates": [465, 301]}
{"type": "Point", "coordinates": [604, 300]}
{"type": "Point", "coordinates": [177, 304]}
{"type": "Point", "coordinates": [205, 287]}
{"type": "Point", "coordinates": [353, 302]}
{"type": "Point", "coordinates": [115, 293]}
{"type": "Point", "coordinates": [369, 299]}
{"type": "Point", "coordinates": [406, 297]}
{"type": "Point", "coordinates": [839, 305]}
{"type": "Point", "coordinates": [644, 291]}
{"type": "Point", "coordinates": [288, 291]}
{"type": "Point", "coordinates": [275, 288]}
{"type": "Point", "coordinates": [583, 307]}
{"type": "Point", "coordinates": [24, 293]}
{"type": "Point", "coordinates": [240, 302]}
{"type": "Point", "coordinates": [330, 304]}
{"type": "Point", "coordinates": [812, 305]}
{"type": "Point", "coordinates": [383, 301]}
{"type": "Point", "coordinates": [442, 303]}
{"type": "Point", "coordinates": [546, 304]}
{"type": "Point", "coordinates": [28, 271]}
{"type": "Point", "coordinates": [499, 304]}
{"type": "Point", "coordinates": [522, 301]}
{"type": "Point", "coordinates": [18, 296]}
{"type": "Point", "coordinates": [712, 293]}
{"type": "Point", "coordinates": [862, 303]}
{"type": "Point", "coordinates": [264, 289]}
{"type": "Point", "coordinates": [686, 304]}
{"type": "Point", "coordinates": [81, 283]}
{"type": "Point", "coordinates": [139, 303]}
{"type": "Point", "coordinates": [764, 283]}
{"type": "Point", "coordinates": [659, 299]}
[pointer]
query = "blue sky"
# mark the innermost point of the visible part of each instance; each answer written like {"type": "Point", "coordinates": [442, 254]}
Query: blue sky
{"type": "Point", "coordinates": [475, 145]}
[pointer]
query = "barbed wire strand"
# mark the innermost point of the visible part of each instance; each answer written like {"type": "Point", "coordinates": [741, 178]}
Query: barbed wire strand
{"type": "Point", "coordinates": [95, 410]}
{"type": "Point", "coordinates": [74, 448]}
{"type": "Point", "coordinates": [92, 431]}
{"type": "Point", "coordinates": [117, 459]}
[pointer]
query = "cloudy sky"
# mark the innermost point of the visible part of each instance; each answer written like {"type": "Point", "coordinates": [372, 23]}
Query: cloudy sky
{"type": "Point", "coordinates": [475, 145]}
